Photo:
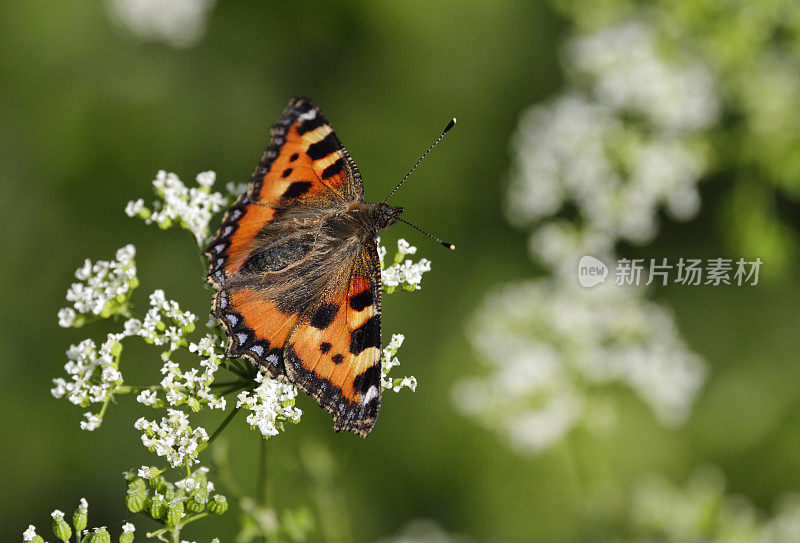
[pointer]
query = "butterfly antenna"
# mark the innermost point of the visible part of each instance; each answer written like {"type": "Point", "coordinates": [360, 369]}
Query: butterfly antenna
{"type": "Point", "coordinates": [447, 128]}
{"type": "Point", "coordinates": [434, 238]}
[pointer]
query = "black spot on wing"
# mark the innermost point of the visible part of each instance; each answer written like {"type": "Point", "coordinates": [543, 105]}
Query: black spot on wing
{"type": "Point", "coordinates": [310, 124]}
{"type": "Point", "coordinates": [365, 336]}
{"type": "Point", "coordinates": [371, 377]}
{"type": "Point", "coordinates": [294, 157]}
{"type": "Point", "coordinates": [324, 347]}
{"type": "Point", "coordinates": [333, 169]}
{"type": "Point", "coordinates": [362, 300]}
{"type": "Point", "coordinates": [337, 359]}
{"type": "Point", "coordinates": [323, 316]}
{"type": "Point", "coordinates": [287, 172]}
{"type": "Point", "coordinates": [296, 189]}
{"type": "Point", "coordinates": [323, 147]}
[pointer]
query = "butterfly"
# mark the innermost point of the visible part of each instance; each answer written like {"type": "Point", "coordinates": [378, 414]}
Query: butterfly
{"type": "Point", "coordinates": [296, 268]}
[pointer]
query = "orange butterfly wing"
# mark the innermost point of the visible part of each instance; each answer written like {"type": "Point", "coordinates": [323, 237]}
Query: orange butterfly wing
{"type": "Point", "coordinates": [304, 160]}
{"type": "Point", "coordinates": [334, 353]}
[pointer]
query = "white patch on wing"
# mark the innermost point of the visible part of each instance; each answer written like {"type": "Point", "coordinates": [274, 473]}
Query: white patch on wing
{"type": "Point", "coordinates": [308, 115]}
{"type": "Point", "coordinates": [371, 394]}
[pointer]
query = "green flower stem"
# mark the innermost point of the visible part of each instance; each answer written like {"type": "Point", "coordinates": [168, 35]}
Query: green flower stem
{"type": "Point", "coordinates": [219, 430]}
{"type": "Point", "coordinates": [105, 406]}
{"type": "Point", "coordinates": [176, 531]}
{"type": "Point", "coordinates": [125, 389]}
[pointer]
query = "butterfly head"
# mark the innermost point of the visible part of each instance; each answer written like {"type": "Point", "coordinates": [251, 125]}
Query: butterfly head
{"type": "Point", "coordinates": [386, 215]}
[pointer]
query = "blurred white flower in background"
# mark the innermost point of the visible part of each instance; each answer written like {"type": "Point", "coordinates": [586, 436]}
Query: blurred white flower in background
{"type": "Point", "coordinates": [629, 74]}
{"type": "Point", "coordinates": [618, 150]}
{"type": "Point", "coordinates": [179, 23]}
{"type": "Point", "coordinates": [549, 347]}
{"type": "Point", "coordinates": [424, 531]}
{"type": "Point", "coordinates": [701, 511]}
{"type": "Point", "coordinates": [592, 168]}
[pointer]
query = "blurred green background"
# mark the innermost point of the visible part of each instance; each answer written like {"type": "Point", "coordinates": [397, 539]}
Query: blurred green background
{"type": "Point", "coordinates": [89, 113]}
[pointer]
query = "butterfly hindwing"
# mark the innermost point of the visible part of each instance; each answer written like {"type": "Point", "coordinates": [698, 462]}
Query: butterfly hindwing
{"type": "Point", "coordinates": [334, 353]}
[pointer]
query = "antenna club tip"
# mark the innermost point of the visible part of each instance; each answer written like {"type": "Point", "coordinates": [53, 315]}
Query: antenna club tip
{"type": "Point", "coordinates": [452, 247]}
{"type": "Point", "coordinates": [450, 125]}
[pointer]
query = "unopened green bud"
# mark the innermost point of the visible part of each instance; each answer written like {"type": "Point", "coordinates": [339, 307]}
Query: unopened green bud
{"type": "Point", "coordinates": [127, 533]}
{"type": "Point", "coordinates": [137, 485]}
{"type": "Point", "coordinates": [166, 223]}
{"type": "Point", "coordinates": [136, 502]}
{"type": "Point", "coordinates": [196, 504]}
{"type": "Point", "coordinates": [37, 539]}
{"type": "Point", "coordinates": [108, 309]}
{"type": "Point", "coordinates": [62, 530]}
{"type": "Point", "coordinates": [60, 527]}
{"type": "Point", "coordinates": [158, 507]}
{"type": "Point", "coordinates": [100, 535]}
{"type": "Point", "coordinates": [116, 350]}
{"type": "Point", "coordinates": [175, 512]}
{"type": "Point", "coordinates": [80, 516]}
{"type": "Point", "coordinates": [218, 505]}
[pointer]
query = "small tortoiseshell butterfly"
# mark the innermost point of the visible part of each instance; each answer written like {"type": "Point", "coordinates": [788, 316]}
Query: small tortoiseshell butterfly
{"type": "Point", "coordinates": [295, 264]}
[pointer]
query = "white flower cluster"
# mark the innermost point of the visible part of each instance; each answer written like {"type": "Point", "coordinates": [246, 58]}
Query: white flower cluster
{"type": "Point", "coordinates": [622, 151]}
{"type": "Point", "coordinates": [173, 437]}
{"type": "Point", "coordinates": [702, 511]}
{"type": "Point", "coordinates": [271, 404]}
{"type": "Point", "coordinates": [103, 288]}
{"type": "Point", "coordinates": [189, 208]}
{"type": "Point", "coordinates": [180, 23]}
{"type": "Point", "coordinates": [549, 347]}
{"type": "Point", "coordinates": [93, 375]}
{"type": "Point", "coordinates": [158, 332]}
{"type": "Point", "coordinates": [403, 273]}
{"type": "Point", "coordinates": [192, 387]}
{"type": "Point", "coordinates": [390, 361]}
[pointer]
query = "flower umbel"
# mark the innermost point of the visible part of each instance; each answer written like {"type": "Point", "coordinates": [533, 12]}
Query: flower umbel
{"type": "Point", "coordinates": [190, 208]}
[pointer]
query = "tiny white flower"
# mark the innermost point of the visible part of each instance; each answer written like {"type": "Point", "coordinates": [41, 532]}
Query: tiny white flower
{"type": "Point", "coordinates": [57, 515]}
{"type": "Point", "coordinates": [134, 207]}
{"type": "Point", "coordinates": [66, 317]}
{"type": "Point", "coordinates": [29, 534]}
{"type": "Point", "coordinates": [91, 423]}
{"type": "Point", "coordinates": [147, 397]}
{"type": "Point", "coordinates": [128, 528]}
